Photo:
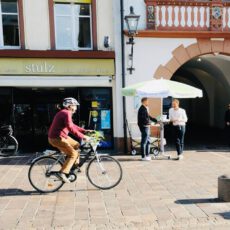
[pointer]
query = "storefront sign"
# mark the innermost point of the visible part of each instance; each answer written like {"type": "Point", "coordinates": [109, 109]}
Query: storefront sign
{"type": "Point", "coordinates": [52, 66]}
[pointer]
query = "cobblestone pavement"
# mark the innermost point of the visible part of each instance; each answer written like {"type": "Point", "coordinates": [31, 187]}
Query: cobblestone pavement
{"type": "Point", "coordinates": [161, 194]}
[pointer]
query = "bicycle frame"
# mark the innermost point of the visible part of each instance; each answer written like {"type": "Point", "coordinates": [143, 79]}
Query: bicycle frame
{"type": "Point", "coordinates": [48, 177]}
{"type": "Point", "coordinates": [87, 148]}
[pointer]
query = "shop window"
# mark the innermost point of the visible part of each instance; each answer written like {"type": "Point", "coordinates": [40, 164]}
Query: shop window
{"type": "Point", "coordinates": [96, 112]}
{"type": "Point", "coordinates": [9, 24]}
{"type": "Point", "coordinates": [73, 25]}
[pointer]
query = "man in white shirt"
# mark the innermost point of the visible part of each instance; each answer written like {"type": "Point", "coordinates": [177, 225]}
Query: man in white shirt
{"type": "Point", "coordinates": [178, 118]}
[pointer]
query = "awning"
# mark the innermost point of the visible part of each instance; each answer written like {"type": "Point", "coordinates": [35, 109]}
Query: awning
{"type": "Point", "coordinates": [55, 81]}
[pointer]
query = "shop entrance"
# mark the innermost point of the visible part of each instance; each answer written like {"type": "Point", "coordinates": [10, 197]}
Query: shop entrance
{"type": "Point", "coordinates": [31, 111]}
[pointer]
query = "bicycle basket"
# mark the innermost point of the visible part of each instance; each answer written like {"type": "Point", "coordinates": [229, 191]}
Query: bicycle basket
{"type": "Point", "coordinates": [6, 130]}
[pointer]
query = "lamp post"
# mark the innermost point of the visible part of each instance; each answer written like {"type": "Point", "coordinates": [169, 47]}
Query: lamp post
{"type": "Point", "coordinates": [132, 23]}
{"type": "Point", "coordinates": [132, 30]}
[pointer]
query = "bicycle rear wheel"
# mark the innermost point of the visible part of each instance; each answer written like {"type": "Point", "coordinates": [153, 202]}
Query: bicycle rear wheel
{"type": "Point", "coordinates": [8, 146]}
{"type": "Point", "coordinates": [43, 174]}
{"type": "Point", "coordinates": [104, 172]}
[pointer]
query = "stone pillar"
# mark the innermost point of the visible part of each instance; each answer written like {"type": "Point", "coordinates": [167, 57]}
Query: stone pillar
{"type": "Point", "coordinates": [224, 188]}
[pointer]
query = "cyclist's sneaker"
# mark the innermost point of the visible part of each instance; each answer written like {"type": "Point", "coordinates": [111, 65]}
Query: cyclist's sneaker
{"type": "Point", "coordinates": [63, 177]}
{"type": "Point", "coordinates": [76, 167]}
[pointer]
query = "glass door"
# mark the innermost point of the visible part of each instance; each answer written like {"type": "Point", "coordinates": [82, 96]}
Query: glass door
{"type": "Point", "coordinates": [6, 106]}
{"type": "Point", "coordinates": [96, 112]}
{"type": "Point", "coordinates": [34, 109]}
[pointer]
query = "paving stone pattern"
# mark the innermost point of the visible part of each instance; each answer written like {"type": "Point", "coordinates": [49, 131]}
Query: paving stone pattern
{"type": "Point", "coordinates": [161, 194]}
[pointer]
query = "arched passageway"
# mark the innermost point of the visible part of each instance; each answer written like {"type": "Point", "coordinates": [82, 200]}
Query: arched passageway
{"type": "Point", "coordinates": [204, 64]}
{"type": "Point", "coordinates": [211, 73]}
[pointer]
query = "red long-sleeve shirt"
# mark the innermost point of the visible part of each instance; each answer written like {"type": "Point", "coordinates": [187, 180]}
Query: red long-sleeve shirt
{"type": "Point", "coordinates": [62, 124]}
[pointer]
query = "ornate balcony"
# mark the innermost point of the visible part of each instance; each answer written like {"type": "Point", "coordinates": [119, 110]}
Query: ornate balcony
{"type": "Point", "coordinates": [188, 17]}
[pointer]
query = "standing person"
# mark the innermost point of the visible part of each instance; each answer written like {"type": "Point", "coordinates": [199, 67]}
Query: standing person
{"type": "Point", "coordinates": [227, 123]}
{"type": "Point", "coordinates": [58, 137]}
{"type": "Point", "coordinates": [178, 118]}
{"type": "Point", "coordinates": [144, 121]}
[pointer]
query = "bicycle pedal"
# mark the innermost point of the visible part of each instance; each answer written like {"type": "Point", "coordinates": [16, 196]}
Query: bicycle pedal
{"type": "Point", "coordinates": [72, 177]}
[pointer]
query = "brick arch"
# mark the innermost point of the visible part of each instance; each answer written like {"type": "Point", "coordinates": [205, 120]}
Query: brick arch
{"type": "Point", "coordinates": [183, 54]}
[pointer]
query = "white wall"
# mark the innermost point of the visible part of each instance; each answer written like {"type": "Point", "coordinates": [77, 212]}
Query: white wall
{"type": "Point", "coordinates": [139, 8]}
{"type": "Point", "coordinates": [105, 22]}
{"type": "Point", "coordinates": [117, 98]}
{"type": "Point", "coordinates": [36, 18]}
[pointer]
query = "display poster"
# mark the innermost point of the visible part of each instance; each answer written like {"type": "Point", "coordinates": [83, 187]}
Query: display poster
{"type": "Point", "coordinates": [105, 119]}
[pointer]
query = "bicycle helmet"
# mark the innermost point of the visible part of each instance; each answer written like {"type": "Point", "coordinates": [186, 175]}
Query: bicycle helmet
{"type": "Point", "coordinates": [69, 101]}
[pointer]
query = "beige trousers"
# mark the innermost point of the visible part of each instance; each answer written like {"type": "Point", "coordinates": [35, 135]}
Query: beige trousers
{"type": "Point", "coordinates": [69, 147]}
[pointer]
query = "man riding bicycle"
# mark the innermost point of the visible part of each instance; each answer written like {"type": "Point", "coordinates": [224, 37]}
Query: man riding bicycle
{"type": "Point", "coordinates": [58, 137]}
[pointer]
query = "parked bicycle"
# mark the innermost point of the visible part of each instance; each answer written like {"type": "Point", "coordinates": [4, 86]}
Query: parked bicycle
{"type": "Point", "coordinates": [8, 143]}
{"type": "Point", "coordinates": [102, 170]}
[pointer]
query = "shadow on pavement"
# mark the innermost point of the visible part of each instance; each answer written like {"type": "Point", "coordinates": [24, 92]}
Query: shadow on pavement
{"type": "Point", "coordinates": [80, 190]}
{"type": "Point", "coordinates": [130, 159]}
{"type": "Point", "coordinates": [225, 215]}
{"type": "Point", "coordinates": [17, 192]}
{"type": "Point", "coordinates": [20, 192]}
{"type": "Point", "coordinates": [198, 201]}
{"type": "Point", "coordinates": [121, 159]}
{"type": "Point", "coordinates": [214, 150]}
{"type": "Point", "coordinates": [17, 159]}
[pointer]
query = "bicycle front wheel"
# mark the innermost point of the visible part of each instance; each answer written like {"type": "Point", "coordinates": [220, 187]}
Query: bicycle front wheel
{"type": "Point", "coordinates": [43, 174]}
{"type": "Point", "coordinates": [104, 172]}
{"type": "Point", "coordinates": [8, 146]}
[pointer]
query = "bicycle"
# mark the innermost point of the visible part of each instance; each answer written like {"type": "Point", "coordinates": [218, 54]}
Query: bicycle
{"type": "Point", "coordinates": [8, 143]}
{"type": "Point", "coordinates": [103, 171]}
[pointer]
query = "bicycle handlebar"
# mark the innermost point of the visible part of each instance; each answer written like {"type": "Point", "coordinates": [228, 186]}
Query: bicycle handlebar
{"type": "Point", "coordinates": [95, 136]}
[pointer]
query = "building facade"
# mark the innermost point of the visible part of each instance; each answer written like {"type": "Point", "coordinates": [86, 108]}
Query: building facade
{"type": "Point", "coordinates": [51, 49]}
{"type": "Point", "coordinates": [186, 41]}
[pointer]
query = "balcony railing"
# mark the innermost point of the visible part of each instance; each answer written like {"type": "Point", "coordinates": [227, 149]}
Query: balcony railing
{"type": "Point", "coordinates": [188, 15]}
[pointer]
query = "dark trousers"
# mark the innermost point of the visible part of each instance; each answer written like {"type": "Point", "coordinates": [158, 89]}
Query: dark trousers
{"type": "Point", "coordinates": [145, 143]}
{"type": "Point", "coordinates": [179, 132]}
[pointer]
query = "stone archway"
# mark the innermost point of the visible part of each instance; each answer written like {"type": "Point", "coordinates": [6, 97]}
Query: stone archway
{"type": "Point", "coordinates": [211, 107]}
{"type": "Point", "coordinates": [183, 54]}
